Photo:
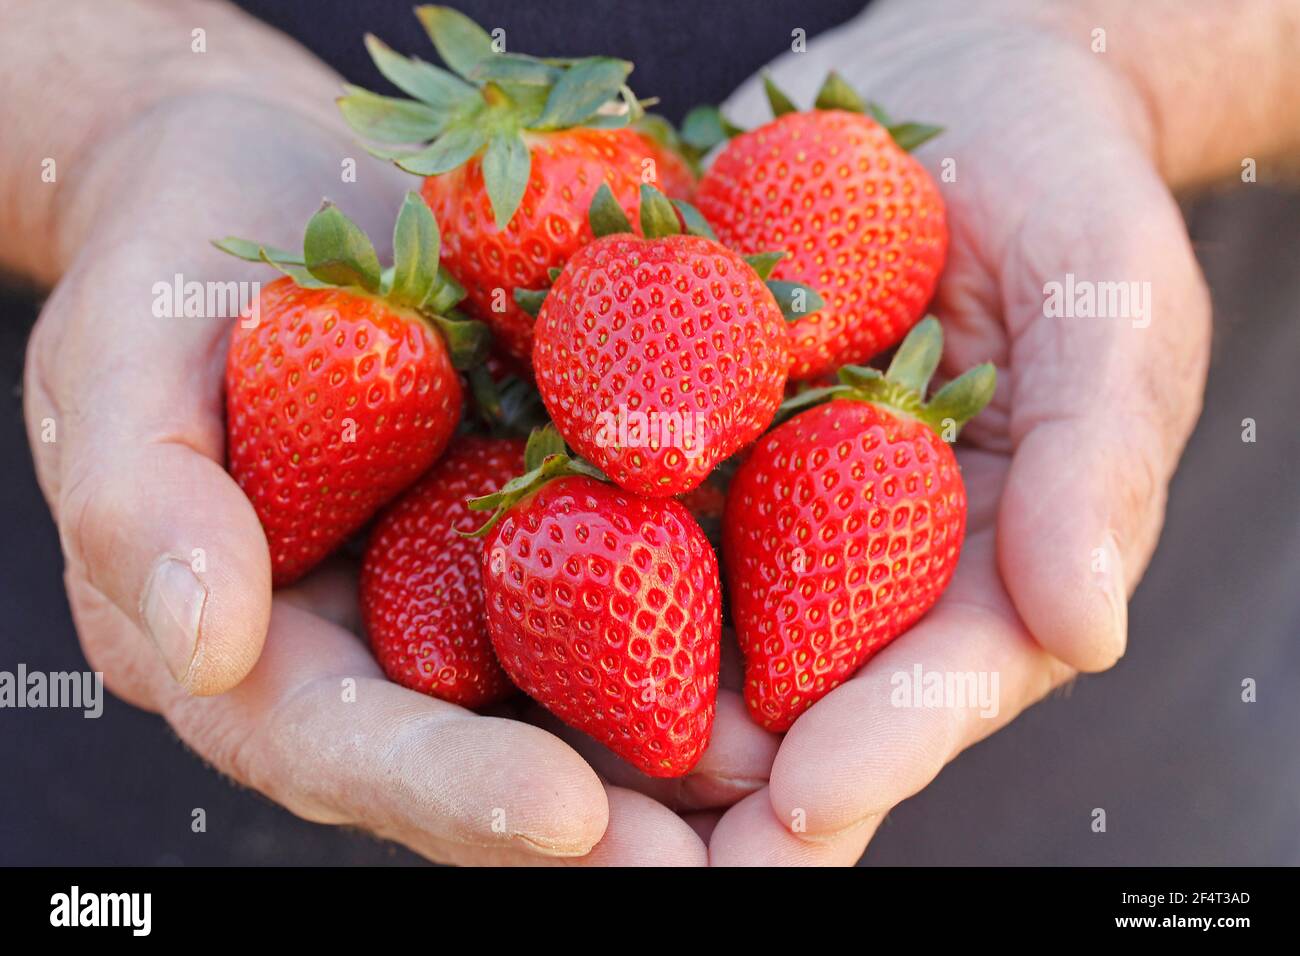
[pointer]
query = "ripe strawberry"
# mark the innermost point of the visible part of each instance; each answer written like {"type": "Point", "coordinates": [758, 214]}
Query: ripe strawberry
{"type": "Point", "coordinates": [606, 608]}
{"type": "Point", "coordinates": [658, 357]}
{"type": "Point", "coordinates": [863, 221]}
{"type": "Point", "coordinates": [422, 581]}
{"type": "Point", "coordinates": [518, 146]}
{"type": "Point", "coordinates": [340, 389]}
{"type": "Point", "coordinates": [844, 525]}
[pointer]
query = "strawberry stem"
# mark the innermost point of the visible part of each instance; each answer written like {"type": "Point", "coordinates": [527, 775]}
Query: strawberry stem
{"type": "Point", "coordinates": [546, 459]}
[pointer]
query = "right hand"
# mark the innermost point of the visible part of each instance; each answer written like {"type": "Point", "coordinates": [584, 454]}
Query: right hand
{"type": "Point", "coordinates": [134, 477]}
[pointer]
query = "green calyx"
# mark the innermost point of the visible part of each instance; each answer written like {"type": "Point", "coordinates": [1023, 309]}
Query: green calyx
{"type": "Point", "coordinates": [706, 127]}
{"type": "Point", "coordinates": [661, 217]}
{"type": "Point", "coordinates": [482, 105]}
{"type": "Point", "coordinates": [545, 459]}
{"type": "Point", "coordinates": [336, 253]}
{"type": "Point", "coordinates": [902, 387]}
{"type": "Point", "coordinates": [837, 94]}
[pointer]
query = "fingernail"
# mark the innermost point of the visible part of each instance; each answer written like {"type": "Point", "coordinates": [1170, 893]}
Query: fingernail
{"type": "Point", "coordinates": [172, 610]}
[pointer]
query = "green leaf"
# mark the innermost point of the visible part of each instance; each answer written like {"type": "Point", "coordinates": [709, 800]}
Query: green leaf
{"type": "Point", "coordinates": [961, 399]}
{"type": "Point", "coordinates": [415, 252]}
{"type": "Point", "coordinates": [658, 215]}
{"type": "Point", "coordinates": [338, 252]}
{"type": "Point", "coordinates": [468, 340]}
{"type": "Point", "coordinates": [706, 127]}
{"type": "Point", "coordinates": [444, 295]}
{"type": "Point", "coordinates": [516, 69]}
{"type": "Point", "coordinates": [877, 113]}
{"type": "Point", "coordinates": [606, 215]}
{"type": "Point", "coordinates": [836, 94]}
{"type": "Point", "coordinates": [581, 90]}
{"type": "Point", "coordinates": [542, 444]}
{"type": "Point", "coordinates": [251, 251]}
{"type": "Point", "coordinates": [765, 262]}
{"type": "Point", "coordinates": [780, 103]}
{"type": "Point", "coordinates": [461, 42]}
{"type": "Point", "coordinates": [451, 150]}
{"type": "Point", "coordinates": [795, 299]}
{"type": "Point", "coordinates": [860, 375]}
{"type": "Point", "coordinates": [911, 135]}
{"type": "Point", "coordinates": [300, 276]}
{"type": "Point", "coordinates": [506, 168]}
{"type": "Point", "coordinates": [530, 300]}
{"type": "Point", "coordinates": [918, 356]}
{"type": "Point", "coordinates": [388, 119]}
{"type": "Point", "coordinates": [432, 85]}
{"type": "Point", "coordinates": [693, 219]}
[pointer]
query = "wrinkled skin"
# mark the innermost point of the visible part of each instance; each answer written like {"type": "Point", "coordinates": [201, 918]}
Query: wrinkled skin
{"type": "Point", "coordinates": [1067, 469]}
{"type": "Point", "coordinates": [1074, 456]}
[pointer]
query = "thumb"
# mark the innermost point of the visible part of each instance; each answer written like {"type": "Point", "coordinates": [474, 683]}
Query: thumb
{"type": "Point", "coordinates": [149, 520]}
{"type": "Point", "coordinates": [1101, 408]}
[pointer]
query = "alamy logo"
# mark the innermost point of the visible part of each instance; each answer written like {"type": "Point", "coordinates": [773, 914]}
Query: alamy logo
{"type": "Point", "coordinates": [180, 299]}
{"type": "Point", "coordinates": [636, 429]}
{"type": "Point", "coordinates": [74, 908]}
{"type": "Point", "coordinates": [952, 690]}
{"type": "Point", "coordinates": [1084, 299]}
{"type": "Point", "coordinates": [82, 691]}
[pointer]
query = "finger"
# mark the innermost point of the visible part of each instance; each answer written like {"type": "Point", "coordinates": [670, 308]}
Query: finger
{"type": "Point", "coordinates": [749, 834]}
{"type": "Point", "coordinates": [643, 832]}
{"type": "Point", "coordinates": [1100, 411]}
{"type": "Point", "coordinates": [147, 516]}
{"type": "Point", "coordinates": [317, 728]}
{"type": "Point", "coordinates": [873, 742]}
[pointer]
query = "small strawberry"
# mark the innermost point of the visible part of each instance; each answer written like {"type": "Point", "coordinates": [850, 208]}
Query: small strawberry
{"type": "Point", "coordinates": [340, 387]}
{"type": "Point", "coordinates": [844, 525]}
{"type": "Point", "coordinates": [605, 608]}
{"type": "Point", "coordinates": [659, 356]}
{"type": "Point", "coordinates": [422, 581]}
{"type": "Point", "coordinates": [517, 147]}
{"type": "Point", "coordinates": [863, 221]}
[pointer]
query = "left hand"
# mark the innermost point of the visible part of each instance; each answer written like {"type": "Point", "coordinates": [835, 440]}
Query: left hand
{"type": "Point", "coordinates": [1066, 471]}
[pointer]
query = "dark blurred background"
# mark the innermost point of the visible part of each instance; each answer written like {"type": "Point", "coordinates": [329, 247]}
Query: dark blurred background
{"type": "Point", "coordinates": [1187, 772]}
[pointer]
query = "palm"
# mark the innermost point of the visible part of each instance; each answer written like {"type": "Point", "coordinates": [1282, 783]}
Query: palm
{"type": "Point", "coordinates": [1042, 176]}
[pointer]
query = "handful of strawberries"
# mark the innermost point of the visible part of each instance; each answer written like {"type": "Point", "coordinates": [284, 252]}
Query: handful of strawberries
{"type": "Point", "coordinates": [550, 267]}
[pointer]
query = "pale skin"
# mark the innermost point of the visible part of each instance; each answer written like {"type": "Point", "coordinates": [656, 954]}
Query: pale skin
{"type": "Point", "coordinates": [1066, 169]}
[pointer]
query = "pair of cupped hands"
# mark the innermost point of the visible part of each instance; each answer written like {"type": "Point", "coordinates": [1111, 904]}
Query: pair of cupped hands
{"type": "Point", "coordinates": [1066, 471]}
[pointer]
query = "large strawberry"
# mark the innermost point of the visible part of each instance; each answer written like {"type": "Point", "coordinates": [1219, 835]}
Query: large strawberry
{"type": "Point", "coordinates": [606, 608]}
{"type": "Point", "coordinates": [862, 220]}
{"type": "Point", "coordinates": [340, 386]}
{"type": "Point", "coordinates": [659, 355]}
{"type": "Point", "coordinates": [844, 525]}
{"type": "Point", "coordinates": [422, 580]}
{"type": "Point", "coordinates": [517, 147]}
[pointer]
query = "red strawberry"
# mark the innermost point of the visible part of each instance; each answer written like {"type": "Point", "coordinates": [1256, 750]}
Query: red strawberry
{"type": "Point", "coordinates": [422, 581]}
{"type": "Point", "coordinates": [514, 159]}
{"type": "Point", "coordinates": [844, 525]}
{"type": "Point", "coordinates": [863, 221]}
{"type": "Point", "coordinates": [340, 391]}
{"type": "Point", "coordinates": [659, 357]}
{"type": "Point", "coordinates": [550, 226]}
{"type": "Point", "coordinates": [606, 608]}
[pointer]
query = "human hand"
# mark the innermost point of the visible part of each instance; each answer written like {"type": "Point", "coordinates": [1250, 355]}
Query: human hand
{"type": "Point", "coordinates": [277, 691]}
{"type": "Point", "coordinates": [1067, 470]}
